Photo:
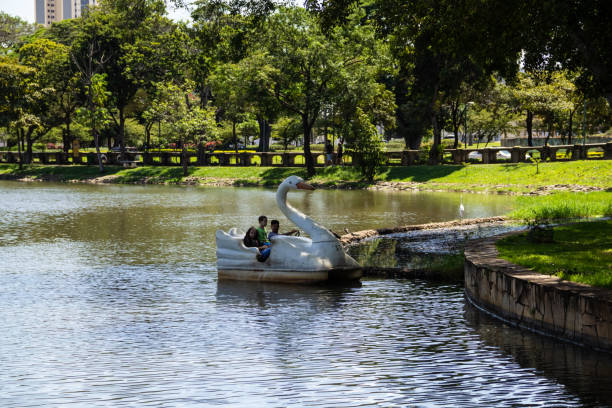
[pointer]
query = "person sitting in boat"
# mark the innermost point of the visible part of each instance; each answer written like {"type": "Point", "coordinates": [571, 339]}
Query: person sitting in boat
{"type": "Point", "coordinates": [251, 241]}
{"type": "Point", "coordinates": [275, 225]}
{"type": "Point", "coordinates": [262, 234]}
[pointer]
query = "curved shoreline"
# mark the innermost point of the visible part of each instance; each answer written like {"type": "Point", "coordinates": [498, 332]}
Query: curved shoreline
{"type": "Point", "coordinates": [574, 312]}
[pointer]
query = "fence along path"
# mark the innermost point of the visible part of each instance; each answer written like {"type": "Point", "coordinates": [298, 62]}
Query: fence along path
{"type": "Point", "coordinates": [484, 155]}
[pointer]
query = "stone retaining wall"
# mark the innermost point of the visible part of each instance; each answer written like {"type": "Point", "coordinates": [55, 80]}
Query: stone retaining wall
{"type": "Point", "coordinates": [571, 311]}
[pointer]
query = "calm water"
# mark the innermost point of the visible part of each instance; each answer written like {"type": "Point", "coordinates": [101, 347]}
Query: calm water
{"type": "Point", "coordinates": [109, 297]}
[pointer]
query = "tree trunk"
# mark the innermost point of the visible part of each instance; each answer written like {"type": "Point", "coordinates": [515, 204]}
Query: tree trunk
{"type": "Point", "coordinates": [20, 136]}
{"type": "Point", "coordinates": [97, 142]}
{"type": "Point", "coordinates": [307, 127]}
{"type": "Point", "coordinates": [235, 138]}
{"type": "Point", "coordinates": [529, 123]}
{"type": "Point", "coordinates": [262, 133]}
{"type": "Point", "coordinates": [185, 160]}
{"type": "Point", "coordinates": [434, 157]}
{"type": "Point", "coordinates": [455, 119]}
{"type": "Point", "coordinates": [433, 153]}
{"type": "Point", "coordinates": [122, 132]}
{"type": "Point", "coordinates": [549, 133]}
{"type": "Point", "coordinates": [29, 153]}
{"type": "Point", "coordinates": [68, 138]}
{"type": "Point", "coordinates": [570, 127]}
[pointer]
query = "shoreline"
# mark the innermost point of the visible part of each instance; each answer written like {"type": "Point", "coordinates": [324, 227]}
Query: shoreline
{"type": "Point", "coordinates": [333, 184]}
{"type": "Point", "coordinates": [358, 236]}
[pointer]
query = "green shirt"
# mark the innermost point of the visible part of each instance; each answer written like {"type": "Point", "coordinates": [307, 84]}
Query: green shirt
{"type": "Point", "coordinates": [262, 235]}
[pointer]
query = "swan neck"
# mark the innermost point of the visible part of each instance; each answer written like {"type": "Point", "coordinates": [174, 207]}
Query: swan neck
{"type": "Point", "coordinates": [316, 232]}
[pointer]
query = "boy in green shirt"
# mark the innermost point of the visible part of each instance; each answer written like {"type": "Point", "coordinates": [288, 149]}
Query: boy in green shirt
{"type": "Point", "coordinates": [262, 234]}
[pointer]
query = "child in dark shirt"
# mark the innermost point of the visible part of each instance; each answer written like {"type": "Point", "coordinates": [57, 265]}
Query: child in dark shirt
{"type": "Point", "coordinates": [274, 224]}
{"type": "Point", "coordinates": [251, 241]}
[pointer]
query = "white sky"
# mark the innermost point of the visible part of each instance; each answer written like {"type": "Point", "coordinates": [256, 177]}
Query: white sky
{"type": "Point", "coordinates": [25, 10]}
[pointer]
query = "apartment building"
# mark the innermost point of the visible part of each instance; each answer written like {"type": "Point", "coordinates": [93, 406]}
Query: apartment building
{"type": "Point", "coordinates": [50, 11]}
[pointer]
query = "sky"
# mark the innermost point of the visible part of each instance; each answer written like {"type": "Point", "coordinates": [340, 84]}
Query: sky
{"type": "Point", "coordinates": [25, 10]}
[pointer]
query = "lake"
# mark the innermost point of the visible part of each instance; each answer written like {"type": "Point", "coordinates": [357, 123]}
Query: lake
{"type": "Point", "coordinates": [110, 298]}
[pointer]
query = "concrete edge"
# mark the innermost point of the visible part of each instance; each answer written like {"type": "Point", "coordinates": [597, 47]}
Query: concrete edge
{"type": "Point", "coordinates": [573, 312]}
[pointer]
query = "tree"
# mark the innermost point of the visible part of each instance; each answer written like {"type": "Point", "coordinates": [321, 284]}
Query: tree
{"type": "Point", "coordinates": [140, 46]}
{"type": "Point", "coordinates": [303, 68]}
{"type": "Point", "coordinates": [13, 30]}
{"type": "Point", "coordinates": [90, 63]}
{"type": "Point", "coordinates": [96, 115]}
{"type": "Point", "coordinates": [438, 45]}
{"type": "Point", "coordinates": [56, 72]}
{"type": "Point", "coordinates": [574, 35]}
{"type": "Point", "coordinates": [190, 122]}
{"type": "Point", "coordinates": [14, 99]}
{"type": "Point", "coordinates": [366, 147]}
{"type": "Point", "coordinates": [539, 93]}
{"type": "Point", "coordinates": [230, 95]}
{"type": "Point", "coordinates": [288, 129]}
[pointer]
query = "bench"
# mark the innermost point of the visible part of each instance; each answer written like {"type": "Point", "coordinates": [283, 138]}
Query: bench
{"type": "Point", "coordinates": [129, 164]}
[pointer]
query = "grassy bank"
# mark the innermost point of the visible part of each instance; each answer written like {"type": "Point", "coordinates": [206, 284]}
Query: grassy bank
{"type": "Point", "coordinates": [506, 178]}
{"type": "Point", "coordinates": [563, 206]}
{"type": "Point", "coordinates": [580, 253]}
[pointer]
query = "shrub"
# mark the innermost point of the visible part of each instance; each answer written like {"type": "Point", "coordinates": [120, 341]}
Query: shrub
{"type": "Point", "coordinates": [365, 145]}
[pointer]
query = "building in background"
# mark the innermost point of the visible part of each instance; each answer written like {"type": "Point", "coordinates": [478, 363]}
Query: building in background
{"type": "Point", "coordinates": [51, 11]}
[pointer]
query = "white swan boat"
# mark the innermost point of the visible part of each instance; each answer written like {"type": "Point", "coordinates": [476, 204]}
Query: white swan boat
{"type": "Point", "coordinates": [319, 258]}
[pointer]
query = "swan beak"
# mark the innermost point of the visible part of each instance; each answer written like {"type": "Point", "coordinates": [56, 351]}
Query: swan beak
{"type": "Point", "coordinates": [304, 186]}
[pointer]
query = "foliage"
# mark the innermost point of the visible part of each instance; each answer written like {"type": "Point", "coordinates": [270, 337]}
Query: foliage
{"type": "Point", "coordinates": [288, 130]}
{"type": "Point", "coordinates": [13, 31]}
{"type": "Point", "coordinates": [365, 145]}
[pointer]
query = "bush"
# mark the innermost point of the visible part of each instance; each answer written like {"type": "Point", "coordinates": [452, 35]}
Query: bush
{"type": "Point", "coordinates": [365, 145]}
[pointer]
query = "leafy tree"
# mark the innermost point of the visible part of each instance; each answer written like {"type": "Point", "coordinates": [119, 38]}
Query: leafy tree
{"type": "Point", "coordinates": [15, 80]}
{"type": "Point", "coordinates": [539, 93]}
{"type": "Point", "coordinates": [288, 129]}
{"type": "Point", "coordinates": [573, 34]}
{"type": "Point", "coordinates": [54, 71]}
{"type": "Point", "coordinates": [366, 147]}
{"type": "Point", "coordinates": [139, 46]}
{"type": "Point", "coordinates": [96, 115]}
{"type": "Point", "coordinates": [303, 68]}
{"type": "Point", "coordinates": [13, 31]}
{"type": "Point", "coordinates": [189, 122]}
{"type": "Point", "coordinates": [231, 95]}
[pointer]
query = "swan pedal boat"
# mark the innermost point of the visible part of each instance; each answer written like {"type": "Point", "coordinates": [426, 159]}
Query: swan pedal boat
{"type": "Point", "coordinates": [320, 258]}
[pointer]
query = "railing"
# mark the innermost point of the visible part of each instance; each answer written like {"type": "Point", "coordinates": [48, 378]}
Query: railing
{"type": "Point", "coordinates": [400, 158]}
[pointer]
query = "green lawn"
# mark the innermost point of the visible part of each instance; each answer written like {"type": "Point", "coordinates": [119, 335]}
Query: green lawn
{"type": "Point", "coordinates": [563, 206]}
{"type": "Point", "coordinates": [514, 178]}
{"type": "Point", "coordinates": [580, 252]}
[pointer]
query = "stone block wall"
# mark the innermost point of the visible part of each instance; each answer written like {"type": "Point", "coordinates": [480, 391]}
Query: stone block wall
{"type": "Point", "coordinates": [542, 303]}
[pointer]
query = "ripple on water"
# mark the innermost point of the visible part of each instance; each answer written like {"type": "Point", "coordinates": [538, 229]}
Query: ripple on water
{"type": "Point", "coordinates": [109, 298]}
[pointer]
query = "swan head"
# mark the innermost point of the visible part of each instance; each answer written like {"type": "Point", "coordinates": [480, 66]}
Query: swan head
{"type": "Point", "coordinates": [296, 183]}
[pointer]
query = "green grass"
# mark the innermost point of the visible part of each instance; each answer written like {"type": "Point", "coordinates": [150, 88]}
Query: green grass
{"type": "Point", "coordinates": [581, 253]}
{"type": "Point", "coordinates": [510, 178]}
{"type": "Point", "coordinates": [563, 206]}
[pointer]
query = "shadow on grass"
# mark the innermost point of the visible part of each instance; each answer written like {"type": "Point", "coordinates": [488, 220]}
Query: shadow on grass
{"type": "Point", "coordinates": [421, 173]}
{"type": "Point", "coordinates": [276, 175]}
{"type": "Point", "coordinates": [66, 172]}
{"type": "Point", "coordinates": [151, 174]}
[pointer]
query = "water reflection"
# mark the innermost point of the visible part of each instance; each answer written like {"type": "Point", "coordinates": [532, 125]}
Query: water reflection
{"type": "Point", "coordinates": [584, 372]}
{"type": "Point", "coordinates": [264, 295]}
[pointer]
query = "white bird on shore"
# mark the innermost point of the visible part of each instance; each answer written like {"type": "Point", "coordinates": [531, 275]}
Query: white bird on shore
{"type": "Point", "coordinates": [461, 209]}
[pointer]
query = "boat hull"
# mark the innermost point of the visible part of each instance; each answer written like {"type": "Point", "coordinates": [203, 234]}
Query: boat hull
{"type": "Point", "coordinates": [287, 276]}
